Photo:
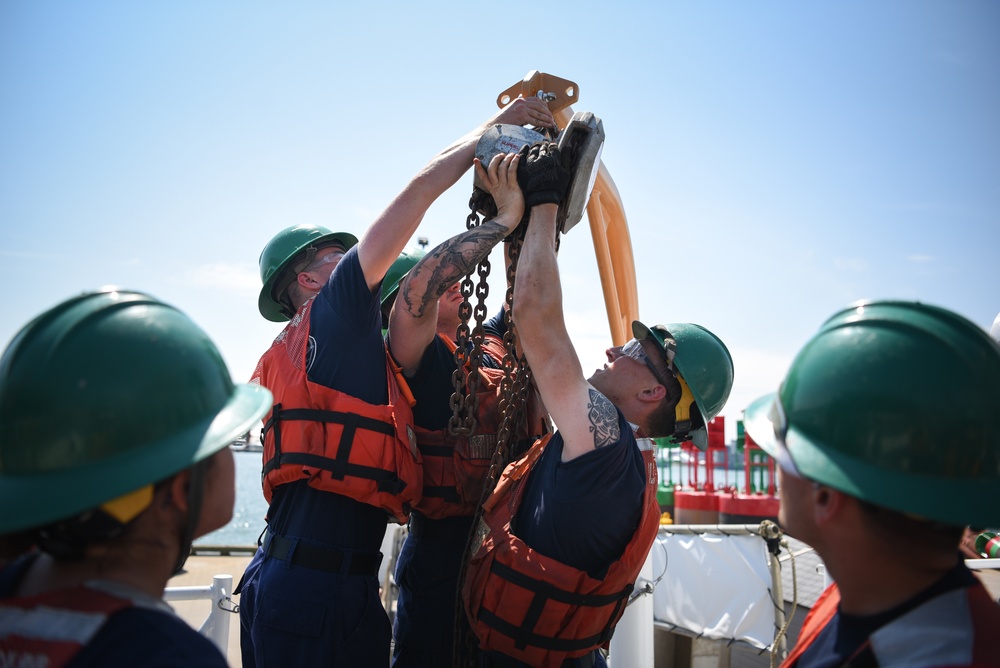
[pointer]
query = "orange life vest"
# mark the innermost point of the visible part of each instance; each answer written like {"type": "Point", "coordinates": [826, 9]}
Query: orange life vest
{"type": "Point", "coordinates": [53, 627]}
{"type": "Point", "coordinates": [337, 442]}
{"type": "Point", "coordinates": [455, 467]}
{"type": "Point", "coordinates": [977, 642]}
{"type": "Point", "coordinates": [533, 608]}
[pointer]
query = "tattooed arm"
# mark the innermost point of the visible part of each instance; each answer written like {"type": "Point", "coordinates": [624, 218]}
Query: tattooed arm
{"type": "Point", "coordinates": [602, 419]}
{"type": "Point", "coordinates": [585, 417]}
{"type": "Point", "coordinates": [414, 319]}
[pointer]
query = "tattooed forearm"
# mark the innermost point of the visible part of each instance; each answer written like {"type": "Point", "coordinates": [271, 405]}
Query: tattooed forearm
{"type": "Point", "coordinates": [603, 419]}
{"type": "Point", "coordinates": [447, 263]}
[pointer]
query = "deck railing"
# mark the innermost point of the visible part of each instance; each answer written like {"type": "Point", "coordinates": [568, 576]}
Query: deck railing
{"type": "Point", "coordinates": [216, 625]}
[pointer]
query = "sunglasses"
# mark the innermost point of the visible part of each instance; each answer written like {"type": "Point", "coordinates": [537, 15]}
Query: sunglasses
{"type": "Point", "coordinates": [635, 350]}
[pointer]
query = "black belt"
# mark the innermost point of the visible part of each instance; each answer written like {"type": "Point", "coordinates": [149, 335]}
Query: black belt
{"type": "Point", "coordinates": [454, 530]}
{"type": "Point", "coordinates": [326, 559]}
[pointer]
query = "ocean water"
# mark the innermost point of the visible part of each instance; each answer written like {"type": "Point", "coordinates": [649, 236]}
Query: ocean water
{"type": "Point", "coordinates": [250, 509]}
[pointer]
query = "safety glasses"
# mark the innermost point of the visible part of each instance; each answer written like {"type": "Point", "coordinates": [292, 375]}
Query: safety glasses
{"type": "Point", "coordinates": [314, 263]}
{"type": "Point", "coordinates": [635, 350]}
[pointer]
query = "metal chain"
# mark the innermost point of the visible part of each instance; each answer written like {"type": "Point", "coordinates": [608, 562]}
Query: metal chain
{"type": "Point", "coordinates": [232, 605]}
{"type": "Point", "coordinates": [515, 377]}
{"type": "Point", "coordinates": [514, 368]}
{"type": "Point", "coordinates": [465, 378]}
{"type": "Point", "coordinates": [515, 387]}
{"type": "Point", "coordinates": [476, 356]}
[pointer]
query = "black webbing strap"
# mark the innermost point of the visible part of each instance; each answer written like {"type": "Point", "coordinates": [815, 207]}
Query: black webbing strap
{"type": "Point", "coordinates": [339, 468]}
{"type": "Point", "coordinates": [523, 635]}
{"type": "Point", "coordinates": [436, 450]}
{"type": "Point", "coordinates": [449, 494]}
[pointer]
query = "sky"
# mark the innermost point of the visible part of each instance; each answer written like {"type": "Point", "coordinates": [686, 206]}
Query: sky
{"type": "Point", "coordinates": [777, 161]}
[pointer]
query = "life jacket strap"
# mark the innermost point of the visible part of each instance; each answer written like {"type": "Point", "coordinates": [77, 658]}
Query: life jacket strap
{"type": "Point", "coordinates": [339, 467]}
{"type": "Point", "coordinates": [523, 634]}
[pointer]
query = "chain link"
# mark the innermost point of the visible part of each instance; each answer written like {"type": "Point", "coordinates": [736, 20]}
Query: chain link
{"type": "Point", "coordinates": [515, 387]}
{"type": "Point", "coordinates": [513, 375]}
{"type": "Point", "coordinates": [513, 395]}
{"type": "Point", "coordinates": [465, 378]}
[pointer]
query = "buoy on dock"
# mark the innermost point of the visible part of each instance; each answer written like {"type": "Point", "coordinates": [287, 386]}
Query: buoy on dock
{"type": "Point", "coordinates": [759, 500]}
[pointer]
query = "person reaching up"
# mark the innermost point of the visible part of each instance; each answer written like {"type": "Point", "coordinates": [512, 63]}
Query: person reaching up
{"type": "Point", "coordinates": [569, 525]}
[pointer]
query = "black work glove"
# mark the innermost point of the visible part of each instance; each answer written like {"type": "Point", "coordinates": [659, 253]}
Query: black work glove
{"type": "Point", "coordinates": [541, 174]}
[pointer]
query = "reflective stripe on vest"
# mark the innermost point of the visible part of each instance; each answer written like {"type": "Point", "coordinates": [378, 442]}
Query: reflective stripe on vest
{"type": "Point", "coordinates": [48, 630]}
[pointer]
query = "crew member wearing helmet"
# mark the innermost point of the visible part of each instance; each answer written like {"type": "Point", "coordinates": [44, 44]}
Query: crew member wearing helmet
{"type": "Point", "coordinates": [880, 471]}
{"type": "Point", "coordinates": [422, 331]}
{"type": "Point", "coordinates": [569, 526]}
{"type": "Point", "coordinates": [117, 412]}
{"type": "Point", "coordinates": [340, 458]}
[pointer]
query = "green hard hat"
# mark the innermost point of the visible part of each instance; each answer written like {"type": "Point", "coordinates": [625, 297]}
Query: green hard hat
{"type": "Point", "coordinates": [400, 268]}
{"type": "Point", "coordinates": [895, 403]}
{"type": "Point", "coordinates": [278, 255]}
{"type": "Point", "coordinates": [701, 360]}
{"type": "Point", "coordinates": [104, 394]}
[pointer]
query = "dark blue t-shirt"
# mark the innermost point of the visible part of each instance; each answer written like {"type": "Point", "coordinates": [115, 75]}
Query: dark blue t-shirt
{"type": "Point", "coordinates": [432, 384]}
{"type": "Point", "coordinates": [346, 353]}
{"type": "Point", "coordinates": [584, 512]}
{"type": "Point", "coordinates": [136, 636]}
{"type": "Point", "coordinates": [142, 637]}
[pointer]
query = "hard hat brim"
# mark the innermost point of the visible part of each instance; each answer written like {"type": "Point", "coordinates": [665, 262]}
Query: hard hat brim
{"type": "Point", "coordinates": [933, 498]}
{"type": "Point", "coordinates": [37, 500]}
{"type": "Point", "coordinates": [757, 423]}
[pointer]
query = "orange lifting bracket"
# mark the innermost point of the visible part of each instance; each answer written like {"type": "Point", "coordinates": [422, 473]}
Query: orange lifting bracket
{"type": "Point", "coordinates": [558, 93]}
{"type": "Point", "coordinates": [608, 223]}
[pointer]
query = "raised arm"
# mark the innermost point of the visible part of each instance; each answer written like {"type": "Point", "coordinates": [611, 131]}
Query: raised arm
{"type": "Point", "coordinates": [386, 237]}
{"type": "Point", "coordinates": [413, 323]}
{"type": "Point", "coordinates": [585, 418]}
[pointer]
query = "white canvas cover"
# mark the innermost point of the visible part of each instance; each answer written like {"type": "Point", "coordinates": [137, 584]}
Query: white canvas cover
{"type": "Point", "coordinates": [714, 585]}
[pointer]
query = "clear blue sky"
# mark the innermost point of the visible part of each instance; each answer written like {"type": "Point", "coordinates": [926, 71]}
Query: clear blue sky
{"type": "Point", "coordinates": [777, 160]}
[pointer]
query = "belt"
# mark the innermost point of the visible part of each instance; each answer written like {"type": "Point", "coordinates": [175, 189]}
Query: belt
{"type": "Point", "coordinates": [326, 559]}
{"type": "Point", "coordinates": [453, 530]}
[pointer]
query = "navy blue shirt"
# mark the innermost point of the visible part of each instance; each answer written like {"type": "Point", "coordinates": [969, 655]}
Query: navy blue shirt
{"type": "Point", "coordinates": [136, 636]}
{"type": "Point", "coordinates": [432, 385]}
{"type": "Point", "coordinates": [346, 353]}
{"type": "Point", "coordinates": [143, 637]}
{"type": "Point", "coordinates": [584, 512]}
